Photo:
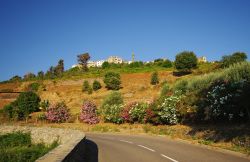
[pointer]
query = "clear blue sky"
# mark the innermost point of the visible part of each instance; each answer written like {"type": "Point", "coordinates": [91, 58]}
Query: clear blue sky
{"type": "Point", "coordinates": [35, 34]}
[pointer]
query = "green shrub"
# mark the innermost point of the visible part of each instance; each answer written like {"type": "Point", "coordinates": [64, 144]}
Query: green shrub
{"type": "Point", "coordinates": [181, 85]}
{"type": "Point", "coordinates": [165, 89]}
{"type": "Point", "coordinates": [232, 59]}
{"type": "Point", "coordinates": [167, 64]}
{"type": "Point", "coordinates": [112, 107]}
{"type": "Point", "coordinates": [138, 112]}
{"type": "Point", "coordinates": [112, 113]}
{"type": "Point", "coordinates": [33, 87]}
{"type": "Point", "coordinates": [85, 86]}
{"type": "Point", "coordinates": [90, 90]}
{"type": "Point", "coordinates": [114, 98]}
{"type": "Point", "coordinates": [44, 105]}
{"type": "Point", "coordinates": [15, 139]}
{"type": "Point", "coordinates": [136, 64]}
{"type": "Point", "coordinates": [222, 101]}
{"type": "Point", "coordinates": [234, 73]}
{"type": "Point", "coordinates": [105, 65]}
{"type": "Point", "coordinates": [27, 102]}
{"type": "Point", "coordinates": [17, 147]}
{"type": "Point", "coordinates": [96, 85]}
{"type": "Point", "coordinates": [154, 78]}
{"type": "Point", "coordinates": [112, 80]}
{"type": "Point", "coordinates": [222, 95]}
{"type": "Point", "coordinates": [238, 72]}
{"type": "Point", "coordinates": [11, 110]}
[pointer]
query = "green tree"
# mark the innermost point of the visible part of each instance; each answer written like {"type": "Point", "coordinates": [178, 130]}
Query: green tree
{"type": "Point", "coordinates": [167, 63]}
{"type": "Point", "coordinates": [59, 69]}
{"type": "Point", "coordinates": [27, 102]}
{"type": "Point", "coordinates": [112, 80]}
{"type": "Point", "coordinates": [185, 61]}
{"type": "Point", "coordinates": [236, 57]}
{"type": "Point", "coordinates": [16, 78]}
{"type": "Point", "coordinates": [96, 85]}
{"type": "Point", "coordinates": [154, 78]}
{"type": "Point", "coordinates": [40, 75]}
{"type": "Point", "coordinates": [83, 60]}
{"type": "Point", "coordinates": [136, 64]}
{"type": "Point", "coordinates": [11, 110]}
{"type": "Point", "coordinates": [29, 76]}
{"type": "Point", "coordinates": [51, 73]}
{"type": "Point", "coordinates": [105, 65]}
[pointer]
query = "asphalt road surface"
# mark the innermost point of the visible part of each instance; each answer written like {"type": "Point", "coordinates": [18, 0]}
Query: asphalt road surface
{"type": "Point", "coordinates": [140, 148]}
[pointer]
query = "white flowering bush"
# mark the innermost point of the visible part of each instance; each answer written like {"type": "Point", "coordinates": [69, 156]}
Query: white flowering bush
{"type": "Point", "coordinates": [138, 112]}
{"type": "Point", "coordinates": [221, 100]}
{"type": "Point", "coordinates": [168, 113]}
{"type": "Point", "coordinates": [112, 113]}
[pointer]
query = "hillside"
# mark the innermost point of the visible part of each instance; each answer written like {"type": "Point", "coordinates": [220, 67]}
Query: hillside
{"type": "Point", "coordinates": [135, 87]}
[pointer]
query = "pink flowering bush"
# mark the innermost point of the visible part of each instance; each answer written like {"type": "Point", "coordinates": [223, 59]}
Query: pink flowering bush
{"type": "Point", "coordinates": [58, 112]}
{"type": "Point", "coordinates": [125, 112]}
{"type": "Point", "coordinates": [88, 113]}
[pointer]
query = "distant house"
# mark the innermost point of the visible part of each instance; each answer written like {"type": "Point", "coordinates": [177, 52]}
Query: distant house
{"type": "Point", "coordinates": [202, 59]}
{"type": "Point", "coordinates": [91, 64]}
{"type": "Point", "coordinates": [99, 63]}
{"type": "Point", "coordinates": [111, 59]}
{"type": "Point", "coordinates": [115, 60]}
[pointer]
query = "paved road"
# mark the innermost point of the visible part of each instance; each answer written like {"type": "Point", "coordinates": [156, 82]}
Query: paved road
{"type": "Point", "coordinates": [139, 148]}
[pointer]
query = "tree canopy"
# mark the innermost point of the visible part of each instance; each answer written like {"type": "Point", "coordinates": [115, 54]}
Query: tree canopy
{"type": "Point", "coordinates": [83, 60]}
{"type": "Point", "coordinates": [236, 57]}
{"type": "Point", "coordinates": [185, 61]}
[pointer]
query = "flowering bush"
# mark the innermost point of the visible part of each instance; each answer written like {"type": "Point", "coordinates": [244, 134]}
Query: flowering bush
{"type": "Point", "coordinates": [138, 112]}
{"type": "Point", "coordinates": [112, 113]}
{"type": "Point", "coordinates": [88, 113]}
{"type": "Point", "coordinates": [125, 112]}
{"type": "Point", "coordinates": [58, 112]}
{"type": "Point", "coordinates": [168, 114]}
{"type": "Point", "coordinates": [221, 100]}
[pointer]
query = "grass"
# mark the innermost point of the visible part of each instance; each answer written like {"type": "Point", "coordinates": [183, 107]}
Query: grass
{"type": "Point", "coordinates": [235, 73]}
{"type": "Point", "coordinates": [17, 147]}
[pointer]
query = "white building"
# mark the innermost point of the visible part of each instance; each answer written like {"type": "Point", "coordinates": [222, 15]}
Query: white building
{"type": "Point", "coordinates": [99, 63]}
{"type": "Point", "coordinates": [202, 59]}
{"type": "Point", "coordinates": [115, 60]}
{"type": "Point", "coordinates": [91, 64]}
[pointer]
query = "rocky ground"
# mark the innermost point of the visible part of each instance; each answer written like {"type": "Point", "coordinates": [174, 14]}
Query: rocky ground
{"type": "Point", "coordinates": [44, 134]}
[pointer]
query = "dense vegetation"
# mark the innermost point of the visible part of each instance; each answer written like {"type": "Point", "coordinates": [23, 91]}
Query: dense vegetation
{"type": "Point", "coordinates": [112, 81]}
{"type": "Point", "coordinates": [17, 147]}
{"type": "Point", "coordinates": [26, 103]}
{"type": "Point", "coordinates": [185, 61]}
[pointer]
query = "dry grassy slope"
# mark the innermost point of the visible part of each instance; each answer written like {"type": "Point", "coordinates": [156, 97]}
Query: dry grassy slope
{"type": "Point", "coordinates": [7, 98]}
{"type": "Point", "coordinates": [135, 87]}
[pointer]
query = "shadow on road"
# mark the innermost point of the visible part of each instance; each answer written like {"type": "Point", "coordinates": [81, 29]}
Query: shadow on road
{"type": "Point", "coordinates": [85, 151]}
